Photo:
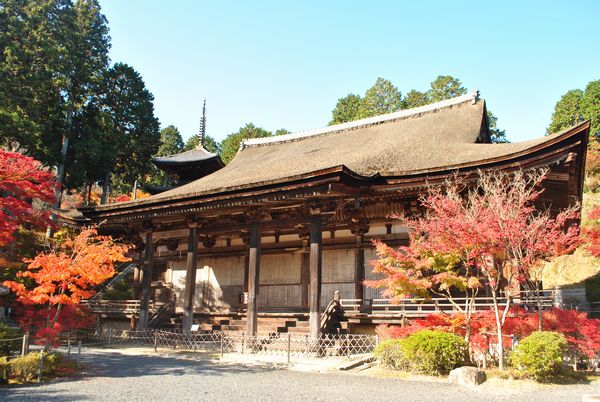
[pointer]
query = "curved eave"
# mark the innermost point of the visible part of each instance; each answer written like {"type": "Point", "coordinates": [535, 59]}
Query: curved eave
{"type": "Point", "coordinates": [167, 162]}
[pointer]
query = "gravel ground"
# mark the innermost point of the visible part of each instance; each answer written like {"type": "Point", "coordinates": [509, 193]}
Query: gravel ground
{"type": "Point", "coordinates": [115, 376]}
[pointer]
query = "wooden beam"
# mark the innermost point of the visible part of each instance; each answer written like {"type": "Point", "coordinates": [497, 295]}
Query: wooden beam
{"type": "Point", "coordinates": [190, 278]}
{"type": "Point", "coordinates": [316, 245]}
{"type": "Point", "coordinates": [146, 281]}
{"type": "Point", "coordinates": [253, 275]}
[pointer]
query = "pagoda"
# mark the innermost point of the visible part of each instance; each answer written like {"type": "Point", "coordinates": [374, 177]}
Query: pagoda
{"type": "Point", "coordinates": [188, 166]}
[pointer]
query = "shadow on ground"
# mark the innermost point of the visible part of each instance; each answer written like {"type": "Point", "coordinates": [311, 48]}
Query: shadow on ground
{"type": "Point", "coordinates": [112, 365]}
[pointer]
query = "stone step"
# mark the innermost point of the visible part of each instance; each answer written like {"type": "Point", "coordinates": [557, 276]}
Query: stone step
{"type": "Point", "coordinates": [231, 327]}
{"type": "Point", "coordinates": [298, 330]}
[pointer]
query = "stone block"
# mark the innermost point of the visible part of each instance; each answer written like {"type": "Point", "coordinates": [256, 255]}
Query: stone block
{"type": "Point", "coordinates": [467, 376]}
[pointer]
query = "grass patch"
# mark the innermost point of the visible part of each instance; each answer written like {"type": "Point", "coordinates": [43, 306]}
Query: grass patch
{"type": "Point", "coordinates": [565, 376]}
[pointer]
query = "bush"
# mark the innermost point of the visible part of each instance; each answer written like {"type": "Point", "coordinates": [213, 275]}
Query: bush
{"type": "Point", "coordinates": [26, 368]}
{"type": "Point", "coordinates": [4, 370]}
{"type": "Point", "coordinates": [428, 352]}
{"type": "Point", "coordinates": [539, 356]}
{"type": "Point", "coordinates": [8, 332]}
{"type": "Point", "coordinates": [389, 354]}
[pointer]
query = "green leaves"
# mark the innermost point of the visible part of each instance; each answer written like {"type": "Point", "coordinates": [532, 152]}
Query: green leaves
{"type": "Point", "coordinates": [171, 142]}
{"type": "Point", "coordinates": [383, 97]}
{"type": "Point", "coordinates": [231, 143]}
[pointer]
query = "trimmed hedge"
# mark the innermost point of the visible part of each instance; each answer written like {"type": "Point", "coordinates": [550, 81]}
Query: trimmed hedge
{"type": "Point", "coordinates": [25, 368]}
{"type": "Point", "coordinates": [540, 355]}
{"type": "Point", "coordinates": [427, 352]}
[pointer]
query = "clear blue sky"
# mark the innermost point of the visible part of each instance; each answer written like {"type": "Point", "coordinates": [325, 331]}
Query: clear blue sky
{"type": "Point", "coordinates": [284, 64]}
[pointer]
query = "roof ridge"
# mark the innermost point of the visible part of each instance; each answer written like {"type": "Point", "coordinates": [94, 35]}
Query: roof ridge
{"type": "Point", "coordinates": [471, 96]}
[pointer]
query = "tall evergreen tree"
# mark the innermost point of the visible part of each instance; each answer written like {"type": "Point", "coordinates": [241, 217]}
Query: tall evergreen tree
{"type": "Point", "coordinates": [346, 109]}
{"type": "Point", "coordinates": [383, 97]}
{"type": "Point", "coordinates": [32, 71]}
{"type": "Point", "coordinates": [171, 142]}
{"type": "Point", "coordinates": [414, 98]}
{"type": "Point", "coordinates": [231, 143]}
{"type": "Point", "coordinates": [445, 87]}
{"type": "Point", "coordinates": [209, 142]}
{"type": "Point", "coordinates": [567, 111]}
{"type": "Point", "coordinates": [135, 128]}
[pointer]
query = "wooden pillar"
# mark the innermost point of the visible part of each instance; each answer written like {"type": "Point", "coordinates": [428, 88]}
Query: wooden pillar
{"type": "Point", "coordinates": [305, 278]}
{"type": "Point", "coordinates": [359, 269]}
{"type": "Point", "coordinates": [304, 267]}
{"type": "Point", "coordinates": [146, 282]}
{"type": "Point", "coordinates": [315, 277]}
{"type": "Point", "coordinates": [253, 275]}
{"type": "Point", "coordinates": [359, 229]}
{"type": "Point", "coordinates": [190, 278]}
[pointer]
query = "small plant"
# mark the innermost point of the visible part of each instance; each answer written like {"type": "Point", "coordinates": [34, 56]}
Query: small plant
{"type": "Point", "coordinates": [428, 352]}
{"type": "Point", "coordinates": [540, 355]}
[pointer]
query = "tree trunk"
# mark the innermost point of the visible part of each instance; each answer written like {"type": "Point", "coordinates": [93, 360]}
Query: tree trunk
{"type": "Point", "coordinates": [60, 170]}
{"type": "Point", "coordinates": [498, 331]}
{"type": "Point", "coordinates": [89, 193]}
{"type": "Point", "coordinates": [105, 188]}
{"type": "Point", "coordinates": [539, 309]}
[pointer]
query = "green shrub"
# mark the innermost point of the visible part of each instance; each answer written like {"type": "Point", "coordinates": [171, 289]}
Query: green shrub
{"type": "Point", "coordinates": [8, 332]}
{"type": "Point", "coordinates": [4, 369]}
{"type": "Point", "coordinates": [539, 356]}
{"type": "Point", "coordinates": [26, 368]}
{"type": "Point", "coordinates": [428, 352]}
{"type": "Point", "coordinates": [389, 354]}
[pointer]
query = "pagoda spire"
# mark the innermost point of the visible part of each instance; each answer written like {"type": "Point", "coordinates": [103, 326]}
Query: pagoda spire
{"type": "Point", "coordinates": [202, 131]}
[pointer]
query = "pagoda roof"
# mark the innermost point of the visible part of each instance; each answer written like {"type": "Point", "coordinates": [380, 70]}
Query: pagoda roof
{"type": "Point", "coordinates": [435, 139]}
{"type": "Point", "coordinates": [197, 154]}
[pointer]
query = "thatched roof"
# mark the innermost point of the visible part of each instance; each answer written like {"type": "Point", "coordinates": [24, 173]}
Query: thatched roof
{"type": "Point", "coordinates": [443, 136]}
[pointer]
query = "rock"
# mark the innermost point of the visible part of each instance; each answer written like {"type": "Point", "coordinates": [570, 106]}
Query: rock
{"type": "Point", "coordinates": [467, 376]}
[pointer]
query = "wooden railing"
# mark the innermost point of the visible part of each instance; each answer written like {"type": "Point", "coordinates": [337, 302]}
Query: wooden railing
{"type": "Point", "coordinates": [118, 306]}
{"type": "Point", "coordinates": [421, 307]}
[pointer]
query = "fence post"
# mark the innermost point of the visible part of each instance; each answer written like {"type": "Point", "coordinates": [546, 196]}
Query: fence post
{"type": "Point", "coordinates": [155, 341]}
{"type": "Point", "coordinates": [376, 340]}
{"type": "Point", "coordinates": [24, 345]}
{"type": "Point", "coordinates": [289, 344]}
{"type": "Point", "coordinates": [243, 339]}
{"type": "Point", "coordinates": [41, 367]}
{"type": "Point", "coordinates": [69, 346]}
{"type": "Point", "coordinates": [109, 336]}
{"type": "Point", "coordinates": [78, 354]}
{"type": "Point", "coordinates": [222, 334]}
{"type": "Point", "coordinates": [347, 343]}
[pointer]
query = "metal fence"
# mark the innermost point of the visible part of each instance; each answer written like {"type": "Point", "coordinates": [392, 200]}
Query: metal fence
{"type": "Point", "coordinates": [279, 344]}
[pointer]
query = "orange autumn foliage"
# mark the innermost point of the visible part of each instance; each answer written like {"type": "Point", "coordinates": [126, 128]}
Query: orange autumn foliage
{"type": "Point", "coordinates": [68, 273]}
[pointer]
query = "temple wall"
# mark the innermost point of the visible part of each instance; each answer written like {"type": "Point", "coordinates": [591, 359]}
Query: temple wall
{"type": "Point", "coordinates": [371, 293]}
{"type": "Point", "coordinates": [337, 274]}
{"type": "Point", "coordinates": [279, 280]}
{"type": "Point", "coordinates": [220, 280]}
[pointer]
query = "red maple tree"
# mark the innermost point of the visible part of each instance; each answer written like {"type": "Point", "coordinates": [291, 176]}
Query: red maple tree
{"type": "Point", "coordinates": [582, 332]}
{"type": "Point", "coordinates": [62, 277]}
{"type": "Point", "coordinates": [488, 233]}
{"type": "Point", "coordinates": [592, 233]}
{"type": "Point", "coordinates": [23, 180]}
